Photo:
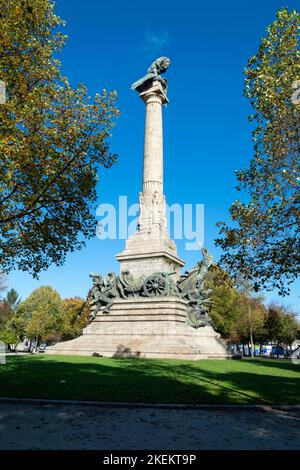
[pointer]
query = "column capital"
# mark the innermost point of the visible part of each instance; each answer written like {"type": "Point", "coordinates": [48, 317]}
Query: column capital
{"type": "Point", "coordinates": [154, 92]}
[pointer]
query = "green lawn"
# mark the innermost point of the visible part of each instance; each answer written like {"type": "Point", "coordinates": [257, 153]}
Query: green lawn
{"type": "Point", "coordinates": [151, 381]}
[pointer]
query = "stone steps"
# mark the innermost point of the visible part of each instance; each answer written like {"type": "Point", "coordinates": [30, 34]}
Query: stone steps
{"type": "Point", "coordinates": [150, 327]}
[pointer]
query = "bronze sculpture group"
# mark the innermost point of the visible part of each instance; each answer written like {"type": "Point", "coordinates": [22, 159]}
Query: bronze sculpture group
{"type": "Point", "coordinates": [190, 287]}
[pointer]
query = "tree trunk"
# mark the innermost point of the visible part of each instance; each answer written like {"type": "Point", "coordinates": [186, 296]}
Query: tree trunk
{"type": "Point", "coordinates": [36, 343]}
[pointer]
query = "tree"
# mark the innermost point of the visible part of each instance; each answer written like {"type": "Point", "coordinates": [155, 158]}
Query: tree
{"type": "Point", "coordinates": [289, 330]}
{"type": "Point", "coordinates": [12, 299]}
{"type": "Point", "coordinates": [250, 326]}
{"type": "Point", "coordinates": [253, 317]}
{"type": "Point", "coordinates": [225, 309]}
{"type": "Point", "coordinates": [53, 140]}
{"type": "Point", "coordinates": [265, 238]}
{"type": "Point", "coordinates": [8, 307]}
{"type": "Point", "coordinates": [281, 325]}
{"type": "Point", "coordinates": [10, 338]}
{"type": "Point", "coordinates": [77, 313]}
{"type": "Point", "coordinates": [237, 316]}
{"type": "Point", "coordinates": [41, 315]}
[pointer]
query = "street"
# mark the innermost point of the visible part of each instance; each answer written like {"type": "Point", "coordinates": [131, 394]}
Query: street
{"type": "Point", "coordinates": [56, 426]}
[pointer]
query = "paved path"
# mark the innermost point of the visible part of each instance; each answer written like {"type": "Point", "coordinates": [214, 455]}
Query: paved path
{"type": "Point", "coordinates": [53, 426]}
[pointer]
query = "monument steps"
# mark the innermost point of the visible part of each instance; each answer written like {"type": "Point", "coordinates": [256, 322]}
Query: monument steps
{"type": "Point", "coordinates": [150, 335]}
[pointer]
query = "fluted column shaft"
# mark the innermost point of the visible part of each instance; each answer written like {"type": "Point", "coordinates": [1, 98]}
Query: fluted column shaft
{"type": "Point", "coordinates": [153, 145]}
{"type": "Point", "coordinates": [152, 218]}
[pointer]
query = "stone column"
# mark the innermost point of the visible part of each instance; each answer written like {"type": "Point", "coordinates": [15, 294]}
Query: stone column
{"type": "Point", "coordinates": [153, 145]}
{"type": "Point", "coordinates": [152, 219]}
{"type": "Point", "coordinates": [150, 249]}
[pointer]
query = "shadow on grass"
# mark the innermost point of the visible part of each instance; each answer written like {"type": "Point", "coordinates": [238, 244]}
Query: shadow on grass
{"type": "Point", "coordinates": [149, 381]}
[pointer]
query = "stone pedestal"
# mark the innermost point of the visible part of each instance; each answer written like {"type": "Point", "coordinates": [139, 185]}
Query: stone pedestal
{"type": "Point", "coordinates": [150, 248]}
{"type": "Point", "coordinates": [145, 327]}
{"type": "Point", "coordinates": [144, 256]}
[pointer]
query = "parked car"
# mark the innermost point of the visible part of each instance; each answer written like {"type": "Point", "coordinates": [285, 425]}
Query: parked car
{"type": "Point", "coordinates": [42, 348]}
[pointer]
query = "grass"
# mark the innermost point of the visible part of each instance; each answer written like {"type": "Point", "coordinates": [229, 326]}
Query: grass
{"type": "Point", "coordinates": [151, 380]}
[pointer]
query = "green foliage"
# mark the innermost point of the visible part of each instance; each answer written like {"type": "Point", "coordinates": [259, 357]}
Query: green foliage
{"type": "Point", "coordinates": [9, 337]}
{"type": "Point", "coordinates": [76, 317]}
{"type": "Point", "coordinates": [281, 325]}
{"type": "Point", "coordinates": [40, 315]}
{"type": "Point", "coordinates": [264, 240]}
{"type": "Point", "coordinates": [237, 315]}
{"type": "Point", "coordinates": [8, 307]}
{"type": "Point", "coordinates": [230, 309]}
{"type": "Point", "coordinates": [225, 307]}
{"type": "Point", "coordinates": [12, 299]}
{"type": "Point", "coordinates": [53, 140]}
{"type": "Point", "coordinates": [6, 313]}
{"type": "Point", "coordinates": [251, 320]}
{"type": "Point", "coordinates": [45, 316]}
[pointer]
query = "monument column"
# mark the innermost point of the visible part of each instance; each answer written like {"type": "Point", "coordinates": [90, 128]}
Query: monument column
{"type": "Point", "coordinates": [152, 218]}
{"type": "Point", "coordinates": [153, 144]}
{"type": "Point", "coordinates": [150, 249]}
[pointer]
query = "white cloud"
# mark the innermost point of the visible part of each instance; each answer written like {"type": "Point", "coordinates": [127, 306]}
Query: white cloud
{"type": "Point", "coordinates": [156, 42]}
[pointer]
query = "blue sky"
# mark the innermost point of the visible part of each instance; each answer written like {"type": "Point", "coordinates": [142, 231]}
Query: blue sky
{"type": "Point", "coordinates": [206, 131]}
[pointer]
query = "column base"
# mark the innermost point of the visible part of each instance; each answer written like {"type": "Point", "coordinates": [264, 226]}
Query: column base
{"type": "Point", "coordinates": [144, 255]}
